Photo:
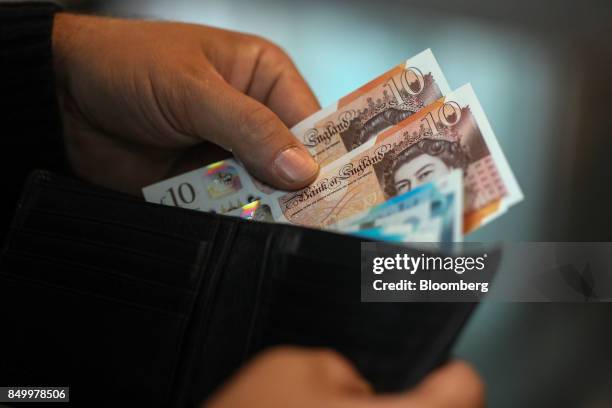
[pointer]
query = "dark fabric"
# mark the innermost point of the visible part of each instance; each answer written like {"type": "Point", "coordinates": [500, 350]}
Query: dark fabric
{"type": "Point", "coordinates": [31, 126]}
{"type": "Point", "coordinates": [126, 301]}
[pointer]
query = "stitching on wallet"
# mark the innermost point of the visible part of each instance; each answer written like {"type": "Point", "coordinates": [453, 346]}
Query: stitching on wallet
{"type": "Point", "coordinates": [196, 331]}
{"type": "Point", "coordinates": [258, 293]}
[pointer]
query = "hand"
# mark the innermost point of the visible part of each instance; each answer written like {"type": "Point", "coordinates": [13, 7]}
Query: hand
{"type": "Point", "coordinates": [140, 101]}
{"type": "Point", "coordinates": [302, 378]}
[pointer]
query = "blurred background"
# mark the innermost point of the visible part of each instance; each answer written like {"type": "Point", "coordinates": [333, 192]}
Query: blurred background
{"type": "Point", "coordinates": [543, 73]}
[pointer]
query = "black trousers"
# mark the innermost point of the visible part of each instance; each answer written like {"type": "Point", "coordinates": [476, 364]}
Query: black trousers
{"type": "Point", "coordinates": [126, 301]}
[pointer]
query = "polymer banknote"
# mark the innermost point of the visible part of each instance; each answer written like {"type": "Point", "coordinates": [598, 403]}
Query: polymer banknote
{"type": "Point", "coordinates": [220, 187]}
{"type": "Point", "coordinates": [360, 116]}
{"type": "Point", "coordinates": [350, 122]}
{"type": "Point", "coordinates": [430, 213]}
{"type": "Point", "coordinates": [451, 133]}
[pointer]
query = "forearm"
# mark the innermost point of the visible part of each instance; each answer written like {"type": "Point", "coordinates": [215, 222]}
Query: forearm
{"type": "Point", "coordinates": [31, 134]}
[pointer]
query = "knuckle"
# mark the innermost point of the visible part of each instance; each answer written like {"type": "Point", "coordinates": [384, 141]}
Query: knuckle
{"type": "Point", "coordinates": [276, 52]}
{"type": "Point", "coordinates": [258, 40]}
{"type": "Point", "coordinates": [255, 43]}
{"type": "Point", "coordinates": [281, 351]}
{"type": "Point", "coordinates": [472, 389]}
{"type": "Point", "coordinates": [277, 56]}
{"type": "Point", "coordinates": [469, 372]}
{"type": "Point", "coordinates": [477, 386]}
{"type": "Point", "coordinates": [280, 355]}
{"type": "Point", "coordinates": [334, 368]}
{"type": "Point", "coordinates": [333, 363]}
{"type": "Point", "coordinates": [268, 54]}
{"type": "Point", "coordinates": [269, 50]}
{"type": "Point", "coordinates": [329, 356]}
{"type": "Point", "coordinates": [261, 42]}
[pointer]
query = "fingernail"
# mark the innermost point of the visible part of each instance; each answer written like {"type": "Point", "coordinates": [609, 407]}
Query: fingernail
{"type": "Point", "coordinates": [295, 165]}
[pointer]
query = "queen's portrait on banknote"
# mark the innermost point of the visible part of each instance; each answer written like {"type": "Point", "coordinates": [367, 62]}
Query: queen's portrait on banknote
{"type": "Point", "coordinates": [419, 164]}
{"type": "Point", "coordinates": [451, 133]}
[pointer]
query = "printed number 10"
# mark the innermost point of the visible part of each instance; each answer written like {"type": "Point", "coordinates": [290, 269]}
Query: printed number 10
{"type": "Point", "coordinates": [448, 115]}
{"type": "Point", "coordinates": [411, 82]}
{"type": "Point", "coordinates": [182, 195]}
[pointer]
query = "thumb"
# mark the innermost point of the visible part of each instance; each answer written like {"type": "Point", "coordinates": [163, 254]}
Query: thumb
{"type": "Point", "coordinates": [255, 135]}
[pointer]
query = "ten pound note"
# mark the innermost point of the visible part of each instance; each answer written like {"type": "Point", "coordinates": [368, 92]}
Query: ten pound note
{"type": "Point", "coordinates": [451, 133]}
{"type": "Point", "coordinates": [381, 103]}
{"type": "Point", "coordinates": [328, 134]}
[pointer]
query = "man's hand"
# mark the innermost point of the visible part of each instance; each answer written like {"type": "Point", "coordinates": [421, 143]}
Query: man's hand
{"type": "Point", "coordinates": [301, 378]}
{"type": "Point", "coordinates": [141, 101]}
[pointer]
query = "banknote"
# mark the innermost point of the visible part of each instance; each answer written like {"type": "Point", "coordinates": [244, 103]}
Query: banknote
{"type": "Point", "coordinates": [451, 133]}
{"type": "Point", "coordinates": [219, 187]}
{"type": "Point", "coordinates": [412, 225]}
{"type": "Point", "coordinates": [380, 104]}
{"type": "Point", "coordinates": [436, 206]}
{"type": "Point", "coordinates": [429, 232]}
{"type": "Point", "coordinates": [350, 122]}
{"type": "Point", "coordinates": [423, 194]}
{"type": "Point", "coordinates": [429, 213]}
{"type": "Point", "coordinates": [255, 211]}
{"type": "Point", "coordinates": [419, 196]}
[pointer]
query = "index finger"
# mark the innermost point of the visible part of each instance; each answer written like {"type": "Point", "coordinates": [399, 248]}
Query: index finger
{"type": "Point", "coordinates": [278, 84]}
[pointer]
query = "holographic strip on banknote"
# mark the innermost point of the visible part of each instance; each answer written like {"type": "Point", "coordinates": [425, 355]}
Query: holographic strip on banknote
{"type": "Point", "coordinates": [255, 211]}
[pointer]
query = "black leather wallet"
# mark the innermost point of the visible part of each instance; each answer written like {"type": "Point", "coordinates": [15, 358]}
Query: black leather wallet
{"type": "Point", "coordinates": [128, 301]}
